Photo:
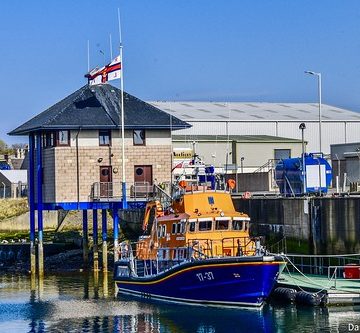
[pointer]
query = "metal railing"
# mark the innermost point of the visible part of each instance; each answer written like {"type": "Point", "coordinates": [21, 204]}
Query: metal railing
{"type": "Point", "coordinates": [268, 166]}
{"type": "Point", "coordinates": [106, 191]}
{"type": "Point", "coordinates": [321, 264]}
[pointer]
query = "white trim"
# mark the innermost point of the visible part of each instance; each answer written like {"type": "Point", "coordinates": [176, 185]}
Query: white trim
{"type": "Point", "coordinates": [223, 218]}
{"type": "Point", "coordinates": [189, 301]}
{"type": "Point", "coordinates": [236, 218]}
{"type": "Point", "coordinates": [203, 219]}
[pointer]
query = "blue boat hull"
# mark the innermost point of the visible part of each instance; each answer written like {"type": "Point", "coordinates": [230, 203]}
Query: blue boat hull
{"type": "Point", "coordinates": [237, 281]}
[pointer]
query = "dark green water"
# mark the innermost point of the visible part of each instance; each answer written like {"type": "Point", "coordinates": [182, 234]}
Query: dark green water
{"type": "Point", "coordinates": [82, 303]}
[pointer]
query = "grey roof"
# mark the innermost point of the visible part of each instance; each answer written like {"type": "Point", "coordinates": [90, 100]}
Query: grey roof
{"type": "Point", "coordinates": [243, 111]}
{"type": "Point", "coordinates": [15, 176]}
{"type": "Point", "coordinates": [237, 138]}
{"type": "Point", "coordinates": [97, 107]}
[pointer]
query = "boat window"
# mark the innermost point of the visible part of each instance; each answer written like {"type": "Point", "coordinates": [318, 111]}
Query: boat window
{"type": "Point", "coordinates": [163, 231]}
{"type": "Point", "coordinates": [211, 200]}
{"type": "Point", "coordinates": [237, 225]}
{"type": "Point", "coordinates": [205, 225]}
{"type": "Point", "coordinates": [192, 226]}
{"type": "Point", "coordinates": [123, 271]}
{"type": "Point", "coordinates": [159, 231]}
{"type": "Point", "coordinates": [246, 226]}
{"type": "Point", "coordinates": [178, 229]}
{"type": "Point", "coordinates": [173, 230]}
{"type": "Point", "coordinates": [222, 225]}
{"type": "Point", "coordinates": [182, 227]}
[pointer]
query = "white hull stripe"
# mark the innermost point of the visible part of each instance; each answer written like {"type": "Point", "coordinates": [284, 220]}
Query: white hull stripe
{"type": "Point", "coordinates": [190, 301]}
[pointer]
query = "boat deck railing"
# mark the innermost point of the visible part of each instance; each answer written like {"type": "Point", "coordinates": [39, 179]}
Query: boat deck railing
{"type": "Point", "coordinates": [196, 249]}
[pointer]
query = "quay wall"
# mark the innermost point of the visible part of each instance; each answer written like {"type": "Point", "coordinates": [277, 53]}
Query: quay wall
{"type": "Point", "coordinates": [326, 225]}
{"type": "Point", "coordinates": [21, 222]}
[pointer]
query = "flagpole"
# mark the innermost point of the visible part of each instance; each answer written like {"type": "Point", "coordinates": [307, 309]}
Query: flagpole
{"type": "Point", "coordinates": [124, 200]}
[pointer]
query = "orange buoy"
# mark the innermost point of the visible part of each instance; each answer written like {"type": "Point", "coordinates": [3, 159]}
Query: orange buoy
{"type": "Point", "coordinates": [231, 183]}
{"type": "Point", "coordinates": [182, 183]}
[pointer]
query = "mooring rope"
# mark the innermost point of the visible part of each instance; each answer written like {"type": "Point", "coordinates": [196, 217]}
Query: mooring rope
{"type": "Point", "coordinates": [284, 257]}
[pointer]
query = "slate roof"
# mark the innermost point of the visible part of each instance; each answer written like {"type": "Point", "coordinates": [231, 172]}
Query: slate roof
{"type": "Point", "coordinates": [97, 107]}
{"type": "Point", "coordinates": [15, 176]}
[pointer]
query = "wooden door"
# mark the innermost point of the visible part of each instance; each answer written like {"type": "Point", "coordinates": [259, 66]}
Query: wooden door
{"type": "Point", "coordinates": [106, 181]}
{"type": "Point", "coordinates": [143, 179]}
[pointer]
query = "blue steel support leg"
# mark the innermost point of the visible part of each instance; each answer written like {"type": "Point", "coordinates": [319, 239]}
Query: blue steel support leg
{"type": "Point", "coordinates": [32, 205]}
{"type": "Point", "coordinates": [95, 241]}
{"type": "Point", "coordinates": [104, 240]}
{"type": "Point", "coordinates": [85, 239]}
{"type": "Point", "coordinates": [124, 199]}
{"type": "Point", "coordinates": [39, 182]}
{"type": "Point", "coordinates": [116, 232]}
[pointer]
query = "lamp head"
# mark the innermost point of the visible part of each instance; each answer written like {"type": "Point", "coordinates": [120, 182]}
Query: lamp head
{"type": "Point", "coordinates": [302, 126]}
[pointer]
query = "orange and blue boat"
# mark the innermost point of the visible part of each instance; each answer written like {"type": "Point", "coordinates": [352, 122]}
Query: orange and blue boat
{"type": "Point", "coordinates": [197, 251]}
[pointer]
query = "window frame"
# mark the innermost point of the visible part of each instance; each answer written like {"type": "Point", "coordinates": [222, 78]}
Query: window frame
{"type": "Point", "coordinates": [102, 134]}
{"type": "Point", "coordinates": [58, 144]}
{"type": "Point", "coordinates": [143, 140]}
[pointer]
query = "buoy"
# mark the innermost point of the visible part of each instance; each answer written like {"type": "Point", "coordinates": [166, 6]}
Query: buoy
{"type": "Point", "coordinates": [284, 294]}
{"type": "Point", "coordinates": [231, 183]}
{"type": "Point", "coordinates": [303, 297]}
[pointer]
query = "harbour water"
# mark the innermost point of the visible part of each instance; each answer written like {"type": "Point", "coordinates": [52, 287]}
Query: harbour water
{"type": "Point", "coordinates": [80, 302]}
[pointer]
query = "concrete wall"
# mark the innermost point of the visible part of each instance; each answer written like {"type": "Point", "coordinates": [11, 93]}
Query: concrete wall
{"type": "Point", "coordinates": [254, 182]}
{"type": "Point", "coordinates": [314, 226]}
{"type": "Point", "coordinates": [21, 223]}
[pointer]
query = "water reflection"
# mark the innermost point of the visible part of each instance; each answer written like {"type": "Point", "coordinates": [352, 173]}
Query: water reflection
{"type": "Point", "coordinates": [86, 303]}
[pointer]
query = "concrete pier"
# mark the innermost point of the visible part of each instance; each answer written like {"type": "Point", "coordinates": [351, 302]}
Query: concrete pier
{"type": "Point", "coordinates": [116, 233]}
{"type": "Point", "coordinates": [104, 241]}
{"type": "Point", "coordinates": [85, 240]}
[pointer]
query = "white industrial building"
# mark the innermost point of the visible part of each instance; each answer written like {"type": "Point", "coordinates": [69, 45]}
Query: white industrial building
{"type": "Point", "coordinates": [273, 119]}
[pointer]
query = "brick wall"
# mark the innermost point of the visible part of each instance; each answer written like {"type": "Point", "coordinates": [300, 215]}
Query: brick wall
{"type": "Point", "coordinates": [60, 168]}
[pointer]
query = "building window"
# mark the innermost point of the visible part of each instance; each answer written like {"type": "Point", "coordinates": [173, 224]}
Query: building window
{"type": "Point", "coordinates": [48, 139]}
{"type": "Point", "coordinates": [282, 154]}
{"type": "Point", "coordinates": [139, 137]}
{"type": "Point", "coordinates": [104, 138]}
{"type": "Point", "coordinates": [63, 138]}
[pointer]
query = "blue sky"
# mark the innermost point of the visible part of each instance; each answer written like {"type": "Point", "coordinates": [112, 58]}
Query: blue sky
{"type": "Point", "coordinates": [230, 50]}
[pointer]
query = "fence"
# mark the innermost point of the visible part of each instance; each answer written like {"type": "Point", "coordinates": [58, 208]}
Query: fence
{"type": "Point", "coordinates": [14, 190]}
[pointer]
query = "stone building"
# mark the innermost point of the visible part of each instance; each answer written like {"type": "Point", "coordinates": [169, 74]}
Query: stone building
{"type": "Point", "coordinates": [81, 145]}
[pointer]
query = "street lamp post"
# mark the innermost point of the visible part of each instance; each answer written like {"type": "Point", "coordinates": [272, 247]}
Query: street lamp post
{"type": "Point", "coordinates": [302, 127]}
{"type": "Point", "coordinates": [319, 91]}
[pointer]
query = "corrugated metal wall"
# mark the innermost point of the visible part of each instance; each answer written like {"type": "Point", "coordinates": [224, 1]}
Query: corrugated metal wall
{"type": "Point", "coordinates": [334, 132]}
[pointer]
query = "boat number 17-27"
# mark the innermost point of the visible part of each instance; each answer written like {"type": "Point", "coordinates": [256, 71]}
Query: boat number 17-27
{"type": "Point", "coordinates": [205, 276]}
